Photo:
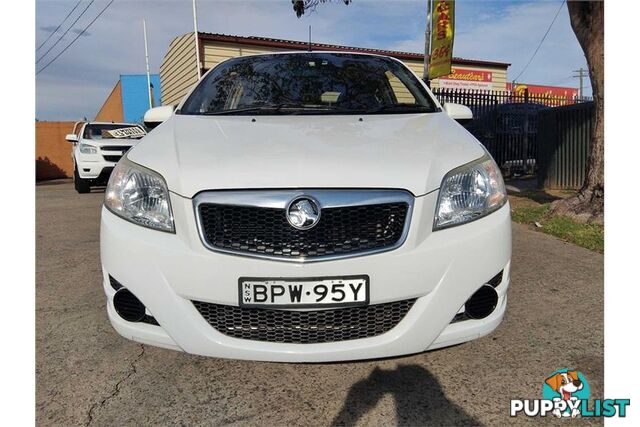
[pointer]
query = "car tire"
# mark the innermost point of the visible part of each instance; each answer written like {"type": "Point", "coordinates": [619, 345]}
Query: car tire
{"type": "Point", "coordinates": [82, 185]}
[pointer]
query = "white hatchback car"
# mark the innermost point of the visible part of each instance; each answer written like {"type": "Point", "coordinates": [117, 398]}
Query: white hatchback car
{"type": "Point", "coordinates": [306, 207]}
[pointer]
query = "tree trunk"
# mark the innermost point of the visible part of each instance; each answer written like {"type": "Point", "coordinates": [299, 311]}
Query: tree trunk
{"type": "Point", "coordinates": [587, 21]}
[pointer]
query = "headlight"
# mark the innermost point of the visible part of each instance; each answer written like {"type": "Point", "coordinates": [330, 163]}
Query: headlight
{"type": "Point", "coordinates": [88, 149]}
{"type": "Point", "coordinates": [470, 192]}
{"type": "Point", "coordinates": [139, 195]}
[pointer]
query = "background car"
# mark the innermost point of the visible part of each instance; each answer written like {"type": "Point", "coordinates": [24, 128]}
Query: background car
{"type": "Point", "coordinates": [509, 132]}
{"type": "Point", "coordinates": [97, 147]}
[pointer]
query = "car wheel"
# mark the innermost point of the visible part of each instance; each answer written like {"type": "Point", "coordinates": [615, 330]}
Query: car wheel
{"type": "Point", "coordinates": [82, 185]}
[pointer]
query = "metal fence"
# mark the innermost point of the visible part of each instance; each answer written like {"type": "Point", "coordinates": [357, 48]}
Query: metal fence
{"type": "Point", "coordinates": [564, 143]}
{"type": "Point", "coordinates": [482, 100]}
{"type": "Point", "coordinates": [506, 122]}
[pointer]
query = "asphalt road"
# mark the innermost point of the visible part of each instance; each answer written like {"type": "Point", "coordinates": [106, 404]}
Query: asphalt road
{"type": "Point", "coordinates": [87, 374]}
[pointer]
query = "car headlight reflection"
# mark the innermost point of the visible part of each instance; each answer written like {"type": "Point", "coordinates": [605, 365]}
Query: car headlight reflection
{"type": "Point", "coordinates": [139, 195]}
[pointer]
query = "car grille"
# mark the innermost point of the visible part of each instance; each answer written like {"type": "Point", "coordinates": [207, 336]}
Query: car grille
{"type": "Point", "coordinates": [266, 231]}
{"type": "Point", "coordinates": [113, 153]}
{"type": "Point", "coordinates": [304, 327]}
{"type": "Point", "coordinates": [123, 148]}
{"type": "Point", "coordinates": [114, 159]}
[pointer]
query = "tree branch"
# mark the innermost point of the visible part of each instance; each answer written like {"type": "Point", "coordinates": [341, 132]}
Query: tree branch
{"type": "Point", "coordinates": [301, 6]}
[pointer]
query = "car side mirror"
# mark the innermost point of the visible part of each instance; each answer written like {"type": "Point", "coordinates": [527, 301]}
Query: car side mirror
{"type": "Point", "coordinates": [458, 112]}
{"type": "Point", "coordinates": [157, 115]}
{"type": "Point", "coordinates": [72, 137]}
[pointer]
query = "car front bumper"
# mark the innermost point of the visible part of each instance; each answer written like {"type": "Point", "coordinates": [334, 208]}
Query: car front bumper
{"type": "Point", "coordinates": [441, 269]}
{"type": "Point", "coordinates": [98, 171]}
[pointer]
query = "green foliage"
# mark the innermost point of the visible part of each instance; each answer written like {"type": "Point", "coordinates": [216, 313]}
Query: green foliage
{"type": "Point", "coordinates": [529, 214]}
{"type": "Point", "coordinates": [590, 236]}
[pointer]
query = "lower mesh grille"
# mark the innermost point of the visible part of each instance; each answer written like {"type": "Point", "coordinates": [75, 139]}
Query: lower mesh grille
{"type": "Point", "coordinates": [304, 327]}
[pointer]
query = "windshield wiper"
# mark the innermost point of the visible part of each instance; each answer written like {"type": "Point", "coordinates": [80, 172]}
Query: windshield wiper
{"type": "Point", "coordinates": [399, 108]}
{"type": "Point", "coordinates": [289, 108]}
{"type": "Point", "coordinates": [249, 109]}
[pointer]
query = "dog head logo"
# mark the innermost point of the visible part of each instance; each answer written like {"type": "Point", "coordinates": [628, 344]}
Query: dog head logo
{"type": "Point", "coordinates": [566, 385]}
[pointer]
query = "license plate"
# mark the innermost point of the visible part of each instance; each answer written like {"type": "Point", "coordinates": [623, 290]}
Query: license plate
{"type": "Point", "coordinates": [303, 292]}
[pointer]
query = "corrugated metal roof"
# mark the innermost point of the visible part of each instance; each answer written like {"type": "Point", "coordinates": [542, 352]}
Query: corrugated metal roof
{"type": "Point", "coordinates": [299, 45]}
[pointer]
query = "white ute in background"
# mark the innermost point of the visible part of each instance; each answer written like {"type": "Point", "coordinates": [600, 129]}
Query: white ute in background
{"type": "Point", "coordinates": [97, 147]}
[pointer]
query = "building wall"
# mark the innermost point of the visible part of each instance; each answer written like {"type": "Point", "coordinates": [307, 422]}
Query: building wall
{"type": "Point", "coordinates": [215, 53]}
{"type": "Point", "coordinates": [178, 71]}
{"type": "Point", "coordinates": [111, 110]}
{"type": "Point", "coordinates": [135, 98]}
{"type": "Point", "coordinates": [53, 152]}
{"type": "Point", "coordinates": [499, 74]}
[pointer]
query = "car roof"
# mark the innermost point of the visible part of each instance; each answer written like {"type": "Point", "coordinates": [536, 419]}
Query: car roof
{"type": "Point", "coordinates": [316, 52]}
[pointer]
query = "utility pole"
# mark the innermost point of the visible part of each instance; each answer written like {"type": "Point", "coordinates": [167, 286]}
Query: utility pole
{"type": "Point", "coordinates": [582, 73]}
{"type": "Point", "coordinates": [146, 56]}
{"type": "Point", "coordinates": [427, 43]}
{"type": "Point", "coordinates": [195, 34]}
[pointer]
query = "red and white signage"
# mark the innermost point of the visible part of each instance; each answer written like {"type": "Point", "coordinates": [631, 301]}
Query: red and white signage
{"type": "Point", "coordinates": [568, 93]}
{"type": "Point", "coordinates": [465, 78]}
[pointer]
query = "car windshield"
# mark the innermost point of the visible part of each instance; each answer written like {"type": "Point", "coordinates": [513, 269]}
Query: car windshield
{"type": "Point", "coordinates": [112, 131]}
{"type": "Point", "coordinates": [309, 83]}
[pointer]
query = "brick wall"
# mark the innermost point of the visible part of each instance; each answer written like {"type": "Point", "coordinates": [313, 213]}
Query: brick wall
{"type": "Point", "coordinates": [53, 152]}
{"type": "Point", "coordinates": [111, 110]}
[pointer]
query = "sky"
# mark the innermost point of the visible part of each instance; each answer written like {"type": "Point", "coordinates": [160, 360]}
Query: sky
{"type": "Point", "coordinates": [78, 82]}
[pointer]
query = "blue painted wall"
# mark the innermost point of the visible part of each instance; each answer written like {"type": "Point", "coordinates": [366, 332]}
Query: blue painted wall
{"type": "Point", "coordinates": [135, 99]}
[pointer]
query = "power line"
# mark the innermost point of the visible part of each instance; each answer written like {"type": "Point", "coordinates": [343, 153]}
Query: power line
{"type": "Point", "coordinates": [561, 80]}
{"type": "Point", "coordinates": [77, 37]}
{"type": "Point", "coordinates": [65, 33]}
{"type": "Point", "coordinates": [540, 44]}
{"type": "Point", "coordinates": [59, 25]}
